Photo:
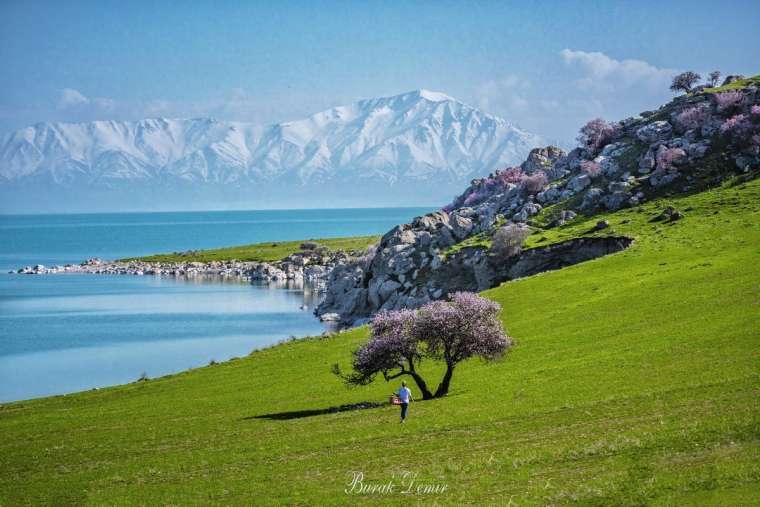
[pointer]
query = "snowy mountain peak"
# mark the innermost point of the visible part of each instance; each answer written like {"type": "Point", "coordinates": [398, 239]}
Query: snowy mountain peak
{"type": "Point", "coordinates": [417, 147]}
{"type": "Point", "coordinates": [434, 96]}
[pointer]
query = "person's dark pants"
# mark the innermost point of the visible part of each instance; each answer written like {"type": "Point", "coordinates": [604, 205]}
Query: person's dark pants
{"type": "Point", "coordinates": [404, 408]}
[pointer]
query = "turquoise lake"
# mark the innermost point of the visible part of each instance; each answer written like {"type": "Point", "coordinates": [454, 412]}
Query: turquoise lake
{"type": "Point", "coordinates": [66, 333]}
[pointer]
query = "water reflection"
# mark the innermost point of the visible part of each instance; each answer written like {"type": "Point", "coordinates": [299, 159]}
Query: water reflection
{"type": "Point", "coordinates": [60, 334]}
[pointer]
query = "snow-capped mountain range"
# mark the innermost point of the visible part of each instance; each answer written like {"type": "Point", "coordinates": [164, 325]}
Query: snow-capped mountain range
{"type": "Point", "coordinates": [420, 147]}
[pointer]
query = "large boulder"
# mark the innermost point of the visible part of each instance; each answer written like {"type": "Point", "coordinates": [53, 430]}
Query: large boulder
{"type": "Point", "coordinates": [549, 195]}
{"type": "Point", "coordinates": [616, 200]}
{"type": "Point", "coordinates": [592, 199]}
{"type": "Point", "coordinates": [460, 226]}
{"type": "Point", "coordinates": [579, 182]}
{"type": "Point", "coordinates": [541, 159]}
{"type": "Point", "coordinates": [655, 131]}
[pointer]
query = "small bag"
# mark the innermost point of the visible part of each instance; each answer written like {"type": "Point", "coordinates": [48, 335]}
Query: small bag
{"type": "Point", "coordinates": [394, 400]}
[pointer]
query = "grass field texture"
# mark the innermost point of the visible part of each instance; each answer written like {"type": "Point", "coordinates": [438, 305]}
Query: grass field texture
{"type": "Point", "coordinates": [635, 380]}
{"type": "Point", "coordinates": [262, 252]}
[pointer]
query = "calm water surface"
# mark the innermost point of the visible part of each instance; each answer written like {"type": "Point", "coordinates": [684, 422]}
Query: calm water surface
{"type": "Point", "coordinates": [65, 333]}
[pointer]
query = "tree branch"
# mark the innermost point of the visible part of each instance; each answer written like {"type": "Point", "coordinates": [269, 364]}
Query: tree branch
{"type": "Point", "coordinates": [395, 375]}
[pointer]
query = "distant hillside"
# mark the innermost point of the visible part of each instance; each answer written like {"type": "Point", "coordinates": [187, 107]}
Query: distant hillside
{"type": "Point", "coordinates": [420, 147]}
{"type": "Point", "coordinates": [696, 141]}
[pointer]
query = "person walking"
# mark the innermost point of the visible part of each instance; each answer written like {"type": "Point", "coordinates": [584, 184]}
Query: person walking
{"type": "Point", "coordinates": [405, 396]}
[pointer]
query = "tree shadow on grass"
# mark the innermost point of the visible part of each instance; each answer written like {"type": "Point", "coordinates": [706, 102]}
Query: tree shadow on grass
{"type": "Point", "coordinates": [298, 414]}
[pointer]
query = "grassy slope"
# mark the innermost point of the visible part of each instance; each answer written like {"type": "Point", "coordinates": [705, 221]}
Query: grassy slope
{"type": "Point", "coordinates": [261, 251]}
{"type": "Point", "coordinates": [635, 379]}
{"type": "Point", "coordinates": [742, 83]}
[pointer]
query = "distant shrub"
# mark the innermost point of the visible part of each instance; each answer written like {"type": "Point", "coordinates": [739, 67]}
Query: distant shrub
{"type": "Point", "coordinates": [534, 183]}
{"type": "Point", "coordinates": [308, 245]}
{"type": "Point", "coordinates": [693, 117]}
{"type": "Point", "coordinates": [143, 377]}
{"type": "Point", "coordinates": [713, 78]}
{"type": "Point", "coordinates": [508, 241]}
{"type": "Point", "coordinates": [685, 81]}
{"type": "Point", "coordinates": [729, 100]}
{"type": "Point", "coordinates": [593, 169]}
{"type": "Point", "coordinates": [755, 111]}
{"type": "Point", "coordinates": [597, 133]}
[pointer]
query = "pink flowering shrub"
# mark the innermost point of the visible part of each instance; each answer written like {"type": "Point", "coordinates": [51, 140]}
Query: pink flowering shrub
{"type": "Point", "coordinates": [475, 197]}
{"type": "Point", "coordinates": [534, 183]}
{"type": "Point", "coordinates": [728, 100]}
{"type": "Point", "coordinates": [735, 123]}
{"type": "Point", "coordinates": [465, 326]}
{"type": "Point", "coordinates": [597, 133]}
{"type": "Point", "coordinates": [738, 128]}
{"type": "Point", "coordinates": [513, 175]}
{"type": "Point", "coordinates": [693, 117]}
{"type": "Point", "coordinates": [668, 158]}
{"type": "Point", "coordinates": [593, 169]}
{"type": "Point", "coordinates": [481, 189]}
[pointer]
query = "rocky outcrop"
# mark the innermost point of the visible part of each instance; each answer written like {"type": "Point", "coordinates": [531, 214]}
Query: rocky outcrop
{"type": "Point", "coordinates": [354, 298]}
{"type": "Point", "coordinates": [679, 147]}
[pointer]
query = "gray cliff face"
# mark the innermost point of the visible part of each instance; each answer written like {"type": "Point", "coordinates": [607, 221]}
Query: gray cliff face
{"type": "Point", "coordinates": [644, 157]}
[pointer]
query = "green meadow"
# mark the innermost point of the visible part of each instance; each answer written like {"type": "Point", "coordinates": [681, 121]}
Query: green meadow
{"type": "Point", "coordinates": [261, 252]}
{"type": "Point", "coordinates": [635, 379]}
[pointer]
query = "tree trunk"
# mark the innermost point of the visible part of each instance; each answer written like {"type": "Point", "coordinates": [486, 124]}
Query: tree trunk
{"type": "Point", "coordinates": [426, 394]}
{"type": "Point", "coordinates": [443, 387]}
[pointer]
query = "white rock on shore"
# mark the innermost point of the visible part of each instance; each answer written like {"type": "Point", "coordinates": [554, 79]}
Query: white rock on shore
{"type": "Point", "coordinates": [294, 267]}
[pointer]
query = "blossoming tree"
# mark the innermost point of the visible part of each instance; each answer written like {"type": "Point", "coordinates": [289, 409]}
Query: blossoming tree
{"type": "Point", "coordinates": [465, 326]}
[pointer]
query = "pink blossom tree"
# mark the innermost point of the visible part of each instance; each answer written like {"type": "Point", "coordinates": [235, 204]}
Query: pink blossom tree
{"type": "Point", "coordinates": [511, 175]}
{"type": "Point", "coordinates": [693, 117]}
{"type": "Point", "coordinates": [738, 128]}
{"type": "Point", "coordinates": [595, 134]}
{"type": "Point", "coordinates": [453, 331]}
{"type": "Point", "coordinates": [729, 100]}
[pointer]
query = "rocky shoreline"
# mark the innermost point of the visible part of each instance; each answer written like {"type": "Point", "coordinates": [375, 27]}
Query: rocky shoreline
{"type": "Point", "coordinates": [297, 267]}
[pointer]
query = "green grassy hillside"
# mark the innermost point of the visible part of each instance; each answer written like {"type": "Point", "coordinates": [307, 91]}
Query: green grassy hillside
{"type": "Point", "coordinates": [635, 380]}
{"type": "Point", "coordinates": [262, 252]}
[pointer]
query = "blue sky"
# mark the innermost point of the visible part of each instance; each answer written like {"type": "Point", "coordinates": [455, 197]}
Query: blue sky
{"type": "Point", "coordinates": [547, 66]}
